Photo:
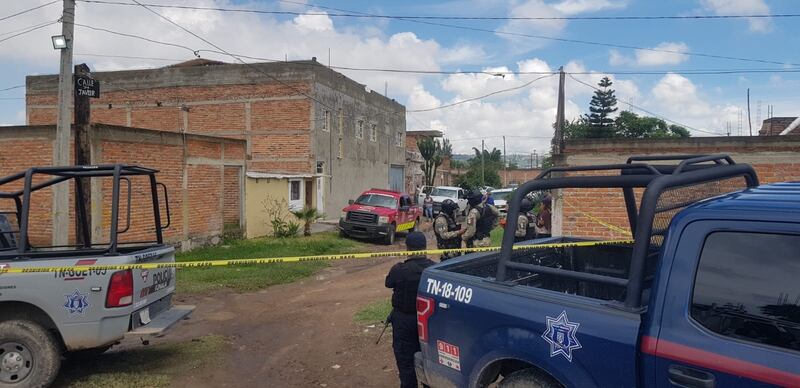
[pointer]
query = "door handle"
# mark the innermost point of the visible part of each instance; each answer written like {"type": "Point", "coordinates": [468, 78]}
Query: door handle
{"type": "Point", "coordinates": [683, 376]}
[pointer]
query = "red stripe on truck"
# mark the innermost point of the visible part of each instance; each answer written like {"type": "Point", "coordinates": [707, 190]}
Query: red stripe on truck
{"type": "Point", "coordinates": [704, 359]}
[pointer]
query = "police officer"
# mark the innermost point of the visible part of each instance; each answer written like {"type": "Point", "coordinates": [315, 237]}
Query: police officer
{"type": "Point", "coordinates": [481, 219]}
{"type": "Point", "coordinates": [526, 222]}
{"type": "Point", "coordinates": [403, 279]}
{"type": "Point", "coordinates": [448, 232]}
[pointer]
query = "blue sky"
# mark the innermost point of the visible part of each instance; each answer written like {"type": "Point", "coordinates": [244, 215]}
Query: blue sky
{"type": "Point", "coordinates": [704, 102]}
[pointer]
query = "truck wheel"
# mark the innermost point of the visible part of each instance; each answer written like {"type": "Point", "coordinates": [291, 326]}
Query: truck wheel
{"type": "Point", "coordinates": [29, 355]}
{"type": "Point", "coordinates": [389, 239]}
{"type": "Point", "coordinates": [343, 234]}
{"type": "Point", "coordinates": [528, 378]}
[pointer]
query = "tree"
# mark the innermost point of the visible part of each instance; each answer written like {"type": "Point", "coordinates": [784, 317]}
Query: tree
{"type": "Point", "coordinates": [309, 216]}
{"type": "Point", "coordinates": [447, 148]}
{"type": "Point", "coordinates": [632, 126]}
{"type": "Point", "coordinates": [431, 151]}
{"type": "Point", "coordinates": [482, 170]}
{"type": "Point", "coordinates": [603, 104]}
{"type": "Point", "coordinates": [576, 129]}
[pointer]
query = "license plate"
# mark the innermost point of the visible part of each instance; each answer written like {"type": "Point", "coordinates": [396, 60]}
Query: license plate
{"type": "Point", "coordinates": [144, 316]}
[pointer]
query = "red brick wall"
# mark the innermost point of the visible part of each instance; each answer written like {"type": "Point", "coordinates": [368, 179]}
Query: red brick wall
{"type": "Point", "coordinates": [201, 218]}
{"type": "Point", "coordinates": [279, 120]}
{"type": "Point", "coordinates": [775, 159]}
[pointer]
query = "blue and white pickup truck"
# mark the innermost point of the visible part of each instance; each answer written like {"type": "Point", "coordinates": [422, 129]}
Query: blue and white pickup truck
{"type": "Point", "coordinates": [707, 296]}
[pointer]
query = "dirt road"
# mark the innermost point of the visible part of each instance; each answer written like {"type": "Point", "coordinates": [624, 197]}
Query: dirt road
{"type": "Point", "coordinates": [297, 335]}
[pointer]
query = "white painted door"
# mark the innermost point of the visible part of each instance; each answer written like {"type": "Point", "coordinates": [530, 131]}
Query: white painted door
{"type": "Point", "coordinates": [320, 194]}
{"type": "Point", "coordinates": [296, 194]}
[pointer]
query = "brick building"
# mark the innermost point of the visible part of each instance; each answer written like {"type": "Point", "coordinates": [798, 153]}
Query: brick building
{"type": "Point", "coordinates": [295, 117]}
{"type": "Point", "coordinates": [204, 176]}
{"type": "Point", "coordinates": [776, 125]}
{"type": "Point", "coordinates": [775, 159]}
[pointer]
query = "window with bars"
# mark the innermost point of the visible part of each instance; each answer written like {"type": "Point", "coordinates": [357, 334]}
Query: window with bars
{"type": "Point", "coordinates": [326, 120]}
{"type": "Point", "coordinates": [373, 132]}
{"type": "Point", "coordinates": [360, 129]}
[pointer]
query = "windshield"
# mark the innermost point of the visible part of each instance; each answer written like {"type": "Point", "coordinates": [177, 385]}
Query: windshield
{"type": "Point", "coordinates": [376, 200]}
{"type": "Point", "coordinates": [449, 193]}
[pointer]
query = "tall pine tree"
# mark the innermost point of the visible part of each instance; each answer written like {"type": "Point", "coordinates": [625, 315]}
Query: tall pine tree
{"type": "Point", "coordinates": [603, 104]}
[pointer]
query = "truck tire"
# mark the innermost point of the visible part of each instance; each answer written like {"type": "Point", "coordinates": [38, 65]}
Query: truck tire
{"type": "Point", "coordinates": [29, 355]}
{"type": "Point", "coordinates": [528, 378]}
{"type": "Point", "coordinates": [390, 235]}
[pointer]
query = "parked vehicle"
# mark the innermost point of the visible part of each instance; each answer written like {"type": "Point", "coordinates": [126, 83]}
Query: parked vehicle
{"type": "Point", "coordinates": [501, 200]}
{"type": "Point", "coordinates": [45, 314]}
{"type": "Point", "coordinates": [457, 194]}
{"type": "Point", "coordinates": [378, 213]}
{"type": "Point", "coordinates": [706, 295]}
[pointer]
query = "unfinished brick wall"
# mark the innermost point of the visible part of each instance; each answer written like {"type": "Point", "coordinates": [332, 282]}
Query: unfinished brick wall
{"type": "Point", "coordinates": [775, 159]}
{"type": "Point", "coordinates": [273, 117]}
{"type": "Point", "coordinates": [201, 195]}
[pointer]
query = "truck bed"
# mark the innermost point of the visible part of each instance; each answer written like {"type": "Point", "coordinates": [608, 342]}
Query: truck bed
{"type": "Point", "coordinates": [608, 260]}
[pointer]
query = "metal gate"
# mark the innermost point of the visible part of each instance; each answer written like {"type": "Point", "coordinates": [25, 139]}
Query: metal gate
{"type": "Point", "coordinates": [397, 177]}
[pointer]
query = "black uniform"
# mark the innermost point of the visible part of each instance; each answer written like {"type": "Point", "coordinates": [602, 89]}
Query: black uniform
{"type": "Point", "coordinates": [404, 280]}
{"type": "Point", "coordinates": [442, 242]}
{"type": "Point", "coordinates": [530, 231]}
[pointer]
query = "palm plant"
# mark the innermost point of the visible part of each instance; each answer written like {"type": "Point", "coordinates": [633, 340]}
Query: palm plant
{"type": "Point", "coordinates": [308, 215]}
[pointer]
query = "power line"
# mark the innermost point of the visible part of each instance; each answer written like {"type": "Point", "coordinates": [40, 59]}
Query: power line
{"type": "Point", "coordinates": [651, 113]}
{"type": "Point", "coordinates": [12, 88]}
{"type": "Point", "coordinates": [137, 37]}
{"type": "Point", "coordinates": [350, 14]}
{"type": "Point", "coordinates": [129, 57]}
{"type": "Point", "coordinates": [28, 30]}
{"type": "Point", "coordinates": [28, 10]}
{"type": "Point", "coordinates": [544, 37]}
{"type": "Point", "coordinates": [483, 96]}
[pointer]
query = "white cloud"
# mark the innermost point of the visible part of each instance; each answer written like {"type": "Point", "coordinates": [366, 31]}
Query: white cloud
{"type": "Point", "coordinates": [572, 7]}
{"type": "Point", "coordinates": [741, 7]}
{"type": "Point", "coordinates": [314, 22]}
{"type": "Point", "coordinates": [671, 55]}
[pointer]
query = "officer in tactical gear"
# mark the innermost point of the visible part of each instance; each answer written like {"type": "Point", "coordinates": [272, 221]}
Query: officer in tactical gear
{"type": "Point", "coordinates": [481, 219]}
{"type": "Point", "coordinates": [403, 279]}
{"type": "Point", "coordinates": [448, 232]}
{"type": "Point", "coordinates": [526, 222]}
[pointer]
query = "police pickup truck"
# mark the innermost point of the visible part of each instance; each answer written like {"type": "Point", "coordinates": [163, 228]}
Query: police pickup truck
{"type": "Point", "coordinates": [50, 314]}
{"type": "Point", "coordinates": [707, 295]}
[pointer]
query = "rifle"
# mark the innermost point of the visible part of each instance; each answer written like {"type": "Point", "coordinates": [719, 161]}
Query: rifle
{"type": "Point", "coordinates": [386, 324]}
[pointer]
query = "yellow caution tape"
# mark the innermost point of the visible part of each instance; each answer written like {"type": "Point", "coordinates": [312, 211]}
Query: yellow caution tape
{"type": "Point", "coordinates": [294, 259]}
{"type": "Point", "coordinates": [599, 221]}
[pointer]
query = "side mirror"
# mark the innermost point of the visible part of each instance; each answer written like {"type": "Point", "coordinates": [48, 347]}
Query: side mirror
{"type": "Point", "coordinates": [350, 202]}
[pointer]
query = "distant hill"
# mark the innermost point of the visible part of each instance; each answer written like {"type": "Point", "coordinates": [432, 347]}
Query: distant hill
{"type": "Point", "coordinates": [522, 161]}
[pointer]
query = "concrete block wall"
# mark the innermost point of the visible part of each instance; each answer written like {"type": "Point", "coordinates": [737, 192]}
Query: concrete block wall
{"type": "Point", "coordinates": [775, 159]}
{"type": "Point", "coordinates": [203, 175]}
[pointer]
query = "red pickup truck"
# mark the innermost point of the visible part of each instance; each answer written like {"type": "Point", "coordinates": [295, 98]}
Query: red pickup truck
{"type": "Point", "coordinates": [378, 213]}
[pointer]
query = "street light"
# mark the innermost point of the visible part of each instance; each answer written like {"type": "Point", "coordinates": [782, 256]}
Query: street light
{"type": "Point", "coordinates": [59, 42]}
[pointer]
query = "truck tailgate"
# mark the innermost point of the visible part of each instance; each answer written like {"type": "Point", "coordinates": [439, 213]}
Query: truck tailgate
{"type": "Point", "coordinates": [152, 288]}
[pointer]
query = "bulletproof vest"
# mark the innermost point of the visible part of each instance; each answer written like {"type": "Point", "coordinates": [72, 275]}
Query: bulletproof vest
{"type": "Point", "coordinates": [454, 242]}
{"type": "Point", "coordinates": [404, 297]}
{"type": "Point", "coordinates": [485, 223]}
{"type": "Point", "coordinates": [530, 234]}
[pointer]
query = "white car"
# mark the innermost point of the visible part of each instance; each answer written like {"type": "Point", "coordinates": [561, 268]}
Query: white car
{"type": "Point", "coordinates": [501, 200]}
{"type": "Point", "coordinates": [457, 194]}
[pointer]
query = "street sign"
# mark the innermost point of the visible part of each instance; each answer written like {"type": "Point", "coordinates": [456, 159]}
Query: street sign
{"type": "Point", "coordinates": [86, 87]}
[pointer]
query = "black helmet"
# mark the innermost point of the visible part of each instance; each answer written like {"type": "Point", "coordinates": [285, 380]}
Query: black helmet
{"type": "Point", "coordinates": [475, 198]}
{"type": "Point", "coordinates": [526, 205]}
{"type": "Point", "coordinates": [449, 207]}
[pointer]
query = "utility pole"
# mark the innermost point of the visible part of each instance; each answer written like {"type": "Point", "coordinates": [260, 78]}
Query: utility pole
{"type": "Point", "coordinates": [63, 126]}
{"type": "Point", "coordinates": [505, 163]}
{"type": "Point", "coordinates": [83, 157]}
{"type": "Point", "coordinates": [532, 159]}
{"type": "Point", "coordinates": [483, 177]}
{"type": "Point", "coordinates": [558, 138]}
{"type": "Point", "coordinates": [749, 123]}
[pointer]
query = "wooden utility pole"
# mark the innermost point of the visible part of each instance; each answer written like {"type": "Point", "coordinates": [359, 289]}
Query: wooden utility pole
{"type": "Point", "coordinates": [558, 138]}
{"type": "Point", "coordinates": [483, 177]}
{"type": "Point", "coordinates": [749, 123]}
{"type": "Point", "coordinates": [505, 163]}
{"type": "Point", "coordinates": [61, 158]}
{"type": "Point", "coordinates": [83, 157]}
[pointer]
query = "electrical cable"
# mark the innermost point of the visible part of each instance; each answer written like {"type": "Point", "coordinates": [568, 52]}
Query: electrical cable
{"type": "Point", "coordinates": [12, 88]}
{"type": "Point", "coordinates": [651, 113]}
{"type": "Point", "coordinates": [481, 97]}
{"type": "Point", "coordinates": [433, 17]}
{"type": "Point", "coordinates": [137, 37]}
{"type": "Point", "coordinates": [30, 29]}
{"type": "Point", "coordinates": [28, 10]}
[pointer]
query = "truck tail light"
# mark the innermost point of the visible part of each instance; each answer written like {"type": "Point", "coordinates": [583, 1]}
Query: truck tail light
{"type": "Point", "coordinates": [120, 289]}
{"type": "Point", "coordinates": [424, 311]}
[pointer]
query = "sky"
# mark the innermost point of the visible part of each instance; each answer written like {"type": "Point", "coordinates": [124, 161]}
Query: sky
{"type": "Point", "coordinates": [707, 103]}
